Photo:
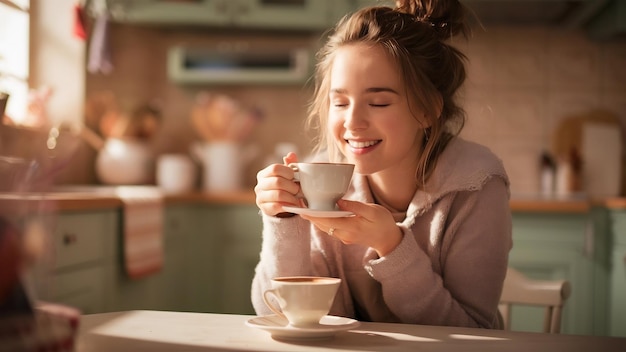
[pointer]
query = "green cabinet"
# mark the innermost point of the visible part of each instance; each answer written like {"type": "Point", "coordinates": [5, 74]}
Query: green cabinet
{"type": "Point", "coordinates": [237, 231]}
{"type": "Point", "coordinates": [557, 246]}
{"type": "Point", "coordinates": [71, 272]}
{"type": "Point", "coordinates": [171, 288]}
{"type": "Point", "coordinates": [163, 12]}
{"type": "Point", "coordinates": [180, 226]}
{"type": "Point", "coordinates": [211, 251]}
{"type": "Point", "coordinates": [617, 280]}
{"type": "Point", "coordinates": [264, 14]}
{"type": "Point", "coordinates": [293, 15]}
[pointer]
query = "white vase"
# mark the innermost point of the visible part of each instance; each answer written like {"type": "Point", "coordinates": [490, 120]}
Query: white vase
{"type": "Point", "coordinates": [125, 161]}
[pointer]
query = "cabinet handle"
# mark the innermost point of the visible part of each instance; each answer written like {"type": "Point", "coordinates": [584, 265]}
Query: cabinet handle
{"type": "Point", "coordinates": [69, 238]}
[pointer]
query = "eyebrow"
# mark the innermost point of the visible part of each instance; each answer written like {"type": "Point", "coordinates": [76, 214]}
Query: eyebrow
{"type": "Point", "coordinates": [368, 90]}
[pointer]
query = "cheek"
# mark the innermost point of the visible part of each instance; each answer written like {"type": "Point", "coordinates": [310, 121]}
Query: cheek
{"type": "Point", "coordinates": [334, 126]}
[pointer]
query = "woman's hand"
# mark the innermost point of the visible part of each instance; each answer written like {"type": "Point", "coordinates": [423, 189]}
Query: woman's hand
{"type": "Point", "coordinates": [373, 226]}
{"type": "Point", "coordinates": [275, 187]}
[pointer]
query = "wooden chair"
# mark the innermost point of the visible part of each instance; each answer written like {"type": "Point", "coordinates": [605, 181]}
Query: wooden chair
{"type": "Point", "coordinates": [521, 290]}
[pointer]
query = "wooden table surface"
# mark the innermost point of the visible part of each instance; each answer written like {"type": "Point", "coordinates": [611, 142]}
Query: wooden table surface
{"type": "Point", "coordinates": [178, 331]}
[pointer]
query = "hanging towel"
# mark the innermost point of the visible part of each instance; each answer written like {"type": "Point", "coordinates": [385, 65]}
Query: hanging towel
{"type": "Point", "coordinates": [142, 230]}
{"type": "Point", "coordinates": [99, 55]}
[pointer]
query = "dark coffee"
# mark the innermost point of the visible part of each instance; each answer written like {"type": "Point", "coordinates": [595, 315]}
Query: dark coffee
{"type": "Point", "coordinates": [311, 279]}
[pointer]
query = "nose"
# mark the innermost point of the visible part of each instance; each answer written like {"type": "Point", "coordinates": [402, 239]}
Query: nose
{"type": "Point", "coordinates": [355, 118]}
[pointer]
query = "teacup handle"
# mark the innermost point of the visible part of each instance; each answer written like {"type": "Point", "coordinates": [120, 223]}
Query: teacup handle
{"type": "Point", "coordinates": [296, 178]}
{"type": "Point", "coordinates": [296, 171]}
{"type": "Point", "coordinates": [269, 304]}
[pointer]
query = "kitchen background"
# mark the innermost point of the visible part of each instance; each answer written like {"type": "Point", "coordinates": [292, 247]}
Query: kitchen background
{"type": "Point", "coordinates": [524, 81]}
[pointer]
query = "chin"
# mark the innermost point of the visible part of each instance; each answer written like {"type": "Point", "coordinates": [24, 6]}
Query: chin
{"type": "Point", "coordinates": [362, 170]}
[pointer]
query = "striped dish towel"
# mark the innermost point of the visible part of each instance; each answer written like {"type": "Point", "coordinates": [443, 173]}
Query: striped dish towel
{"type": "Point", "coordinates": [143, 229]}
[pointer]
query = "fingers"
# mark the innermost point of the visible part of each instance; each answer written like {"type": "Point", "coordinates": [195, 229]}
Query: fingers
{"type": "Point", "coordinates": [340, 229]}
{"type": "Point", "coordinates": [291, 157]}
{"type": "Point", "coordinates": [275, 187]}
{"type": "Point", "coordinates": [363, 210]}
{"type": "Point", "coordinates": [372, 226]}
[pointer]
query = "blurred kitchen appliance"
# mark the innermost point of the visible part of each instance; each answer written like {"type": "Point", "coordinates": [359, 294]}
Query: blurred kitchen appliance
{"type": "Point", "coordinates": [602, 159]}
{"type": "Point", "coordinates": [238, 65]}
{"type": "Point", "coordinates": [596, 137]}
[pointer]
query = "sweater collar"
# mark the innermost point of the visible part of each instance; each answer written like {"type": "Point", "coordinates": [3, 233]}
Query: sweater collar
{"type": "Point", "coordinates": [463, 166]}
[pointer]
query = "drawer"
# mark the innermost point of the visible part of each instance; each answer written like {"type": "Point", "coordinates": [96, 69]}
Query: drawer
{"type": "Point", "coordinates": [81, 289]}
{"type": "Point", "coordinates": [80, 238]}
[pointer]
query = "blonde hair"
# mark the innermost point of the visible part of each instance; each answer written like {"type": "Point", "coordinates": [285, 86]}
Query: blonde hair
{"type": "Point", "coordinates": [414, 35]}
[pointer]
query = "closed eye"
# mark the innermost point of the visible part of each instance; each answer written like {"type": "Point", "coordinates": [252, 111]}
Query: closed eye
{"type": "Point", "coordinates": [379, 105]}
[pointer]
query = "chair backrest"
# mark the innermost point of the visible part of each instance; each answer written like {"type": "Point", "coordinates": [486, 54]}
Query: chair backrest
{"type": "Point", "coordinates": [521, 290]}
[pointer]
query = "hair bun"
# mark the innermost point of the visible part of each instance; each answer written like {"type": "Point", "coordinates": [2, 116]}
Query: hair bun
{"type": "Point", "coordinates": [447, 17]}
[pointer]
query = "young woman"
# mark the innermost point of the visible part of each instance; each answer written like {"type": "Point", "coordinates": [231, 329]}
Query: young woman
{"type": "Point", "coordinates": [431, 234]}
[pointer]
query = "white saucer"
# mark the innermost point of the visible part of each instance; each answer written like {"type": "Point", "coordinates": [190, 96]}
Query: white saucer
{"type": "Point", "coordinates": [319, 213]}
{"type": "Point", "coordinates": [278, 326]}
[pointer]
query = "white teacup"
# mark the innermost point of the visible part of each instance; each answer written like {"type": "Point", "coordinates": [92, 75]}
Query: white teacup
{"type": "Point", "coordinates": [303, 300]}
{"type": "Point", "coordinates": [323, 184]}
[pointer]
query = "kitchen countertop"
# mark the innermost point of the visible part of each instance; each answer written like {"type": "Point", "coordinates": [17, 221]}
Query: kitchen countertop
{"type": "Point", "coordinates": [68, 201]}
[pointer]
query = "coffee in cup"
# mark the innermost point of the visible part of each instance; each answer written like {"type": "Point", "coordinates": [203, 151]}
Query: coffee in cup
{"type": "Point", "coordinates": [323, 184]}
{"type": "Point", "coordinates": [303, 300]}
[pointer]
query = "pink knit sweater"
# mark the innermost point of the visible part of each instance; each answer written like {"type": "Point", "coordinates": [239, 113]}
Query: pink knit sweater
{"type": "Point", "coordinates": [448, 269]}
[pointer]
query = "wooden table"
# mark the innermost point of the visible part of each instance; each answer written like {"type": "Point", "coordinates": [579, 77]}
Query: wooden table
{"type": "Point", "coordinates": [192, 332]}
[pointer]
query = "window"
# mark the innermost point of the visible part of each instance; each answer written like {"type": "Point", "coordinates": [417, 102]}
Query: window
{"type": "Point", "coordinates": [14, 51]}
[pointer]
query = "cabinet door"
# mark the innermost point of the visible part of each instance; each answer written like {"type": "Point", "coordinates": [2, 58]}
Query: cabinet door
{"type": "Point", "coordinates": [242, 246]}
{"type": "Point", "coordinates": [167, 12]}
{"type": "Point", "coordinates": [180, 225]}
{"type": "Point", "coordinates": [170, 288]}
{"type": "Point", "coordinates": [617, 322]}
{"type": "Point", "coordinates": [555, 246]}
{"type": "Point", "coordinates": [237, 229]}
{"type": "Point", "coordinates": [292, 14]}
{"type": "Point", "coordinates": [81, 289]}
{"type": "Point", "coordinates": [79, 238]}
{"type": "Point", "coordinates": [82, 248]}
{"type": "Point", "coordinates": [617, 287]}
{"type": "Point", "coordinates": [204, 266]}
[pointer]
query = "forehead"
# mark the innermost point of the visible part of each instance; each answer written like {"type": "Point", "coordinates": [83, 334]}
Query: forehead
{"type": "Point", "coordinates": [362, 66]}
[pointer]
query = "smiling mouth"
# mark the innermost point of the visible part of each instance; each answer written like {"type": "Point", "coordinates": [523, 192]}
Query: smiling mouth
{"type": "Point", "coordinates": [362, 144]}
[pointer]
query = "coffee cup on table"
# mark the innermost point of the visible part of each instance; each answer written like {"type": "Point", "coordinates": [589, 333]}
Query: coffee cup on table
{"type": "Point", "coordinates": [323, 184]}
{"type": "Point", "coordinates": [303, 300]}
